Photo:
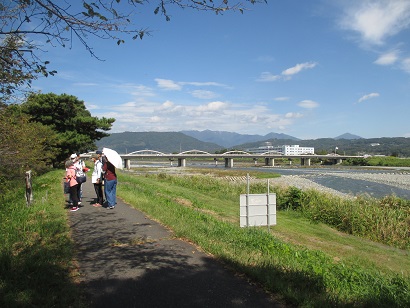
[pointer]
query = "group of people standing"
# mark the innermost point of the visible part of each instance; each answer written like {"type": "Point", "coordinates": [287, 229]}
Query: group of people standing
{"type": "Point", "coordinates": [103, 175]}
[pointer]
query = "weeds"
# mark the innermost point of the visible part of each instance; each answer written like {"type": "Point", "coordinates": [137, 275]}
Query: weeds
{"type": "Point", "coordinates": [36, 250]}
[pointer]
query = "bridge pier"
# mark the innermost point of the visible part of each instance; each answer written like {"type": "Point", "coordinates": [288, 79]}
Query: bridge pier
{"type": "Point", "coordinates": [305, 161]}
{"type": "Point", "coordinates": [127, 163]}
{"type": "Point", "coordinates": [269, 161]}
{"type": "Point", "coordinates": [228, 162]}
{"type": "Point", "coordinates": [181, 162]}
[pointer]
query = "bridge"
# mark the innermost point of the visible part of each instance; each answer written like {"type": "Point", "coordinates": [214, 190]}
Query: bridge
{"type": "Point", "coordinates": [228, 157]}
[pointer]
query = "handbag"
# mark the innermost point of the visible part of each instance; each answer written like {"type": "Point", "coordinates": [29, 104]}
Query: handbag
{"type": "Point", "coordinates": [66, 187]}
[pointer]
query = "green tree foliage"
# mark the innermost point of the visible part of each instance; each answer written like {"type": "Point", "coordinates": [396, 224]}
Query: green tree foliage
{"type": "Point", "coordinates": [65, 114]}
{"type": "Point", "coordinates": [24, 146]}
{"type": "Point", "coordinates": [16, 70]}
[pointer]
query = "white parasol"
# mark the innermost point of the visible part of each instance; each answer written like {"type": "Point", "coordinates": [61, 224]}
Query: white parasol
{"type": "Point", "coordinates": [113, 157]}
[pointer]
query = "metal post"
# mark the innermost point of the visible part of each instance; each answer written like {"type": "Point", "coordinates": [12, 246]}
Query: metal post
{"type": "Point", "coordinates": [268, 218]}
{"type": "Point", "coordinates": [247, 200]}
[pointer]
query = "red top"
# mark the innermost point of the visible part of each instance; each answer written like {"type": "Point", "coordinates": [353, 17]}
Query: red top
{"type": "Point", "coordinates": [109, 170]}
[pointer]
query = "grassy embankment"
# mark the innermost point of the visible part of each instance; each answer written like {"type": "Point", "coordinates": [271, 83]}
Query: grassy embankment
{"type": "Point", "coordinates": [309, 264]}
{"type": "Point", "coordinates": [388, 161]}
{"type": "Point", "coordinates": [36, 252]}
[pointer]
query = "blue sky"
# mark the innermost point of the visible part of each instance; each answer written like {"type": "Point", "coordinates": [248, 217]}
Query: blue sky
{"type": "Point", "coordinates": [309, 69]}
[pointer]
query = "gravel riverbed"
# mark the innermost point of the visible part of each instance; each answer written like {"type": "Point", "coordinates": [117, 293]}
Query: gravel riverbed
{"type": "Point", "coordinates": [399, 179]}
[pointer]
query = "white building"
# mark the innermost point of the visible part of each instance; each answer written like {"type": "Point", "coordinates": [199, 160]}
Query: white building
{"type": "Point", "coordinates": [296, 150]}
{"type": "Point", "coordinates": [282, 150]}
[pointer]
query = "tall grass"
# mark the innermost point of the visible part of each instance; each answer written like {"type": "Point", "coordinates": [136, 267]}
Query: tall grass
{"type": "Point", "coordinates": [385, 220]}
{"type": "Point", "coordinates": [36, 250]}
{"type": "Point", "coordinates": [205, 210]}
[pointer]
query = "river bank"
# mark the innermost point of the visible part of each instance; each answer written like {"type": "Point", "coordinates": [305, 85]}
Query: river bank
{"type": "Point", "coordinates": [342, 181]}
{"type": "Point", "coordinates": [398, 180]}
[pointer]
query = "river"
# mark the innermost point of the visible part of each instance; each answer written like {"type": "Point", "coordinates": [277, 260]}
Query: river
{"type": "Point", "coordinates": [373, 181]}
{"type": "Point", "coordinates": [353, 181]}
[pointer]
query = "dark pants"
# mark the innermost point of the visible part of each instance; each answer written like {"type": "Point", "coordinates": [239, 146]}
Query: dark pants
{"type": "Point", "coordinates": [74, 194]}
{"type": "Point", "coordinates": [99, 193]}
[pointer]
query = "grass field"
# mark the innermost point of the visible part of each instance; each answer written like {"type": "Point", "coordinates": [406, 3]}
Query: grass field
{"type": "Point", "coordinates": [308, 264]}
{"type": "Point", "coordinates": [37, 267]}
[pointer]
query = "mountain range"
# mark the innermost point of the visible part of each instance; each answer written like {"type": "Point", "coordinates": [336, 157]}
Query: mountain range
{"type": "Point", "coordinates": [216, 141]}
{"type": "Point", "coordinates": [229, 139]}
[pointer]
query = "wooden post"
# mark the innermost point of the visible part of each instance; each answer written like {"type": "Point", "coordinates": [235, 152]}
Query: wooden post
{"type": "Point", "coordinates": [29, 190]}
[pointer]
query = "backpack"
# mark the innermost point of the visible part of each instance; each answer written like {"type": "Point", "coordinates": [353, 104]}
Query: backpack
{"type": "Point", "coordinates": [80, 176]}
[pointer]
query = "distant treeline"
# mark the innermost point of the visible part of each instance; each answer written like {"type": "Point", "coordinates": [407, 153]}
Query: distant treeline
{"type": "Point", "coordinates": [382, 161]}
{"type": "Point", "coordinates": [397, 147]}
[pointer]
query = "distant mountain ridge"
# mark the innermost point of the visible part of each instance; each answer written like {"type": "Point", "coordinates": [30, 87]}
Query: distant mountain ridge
{"type": "Point", "coordinates": [230, 139]}
{"type": "Point", "coordinates": [166, 142]}
{"type": "Point", "coordinates": [348, 136]}
{"type": "Point", "coordinates": [176, 142]}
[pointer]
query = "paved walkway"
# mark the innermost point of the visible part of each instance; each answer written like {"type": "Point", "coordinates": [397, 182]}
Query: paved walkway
{"type": "Point", "coordinates": [128, 260]}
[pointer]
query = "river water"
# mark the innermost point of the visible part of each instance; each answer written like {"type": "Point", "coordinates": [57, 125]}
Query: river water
{"type": "Point", "coordinates": [324, 177]}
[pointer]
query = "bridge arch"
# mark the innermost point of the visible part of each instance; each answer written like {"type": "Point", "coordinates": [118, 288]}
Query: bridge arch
{"type": "Point", "coordinates": [195, 152]}
{"type": "Point", "coordinates": [149, 152]}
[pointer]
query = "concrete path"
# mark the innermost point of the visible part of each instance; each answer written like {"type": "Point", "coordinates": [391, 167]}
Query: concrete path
{"type": "Point", "coordinates": [128, 260]}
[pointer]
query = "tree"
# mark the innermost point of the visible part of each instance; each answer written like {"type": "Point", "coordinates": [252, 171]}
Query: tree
{"type": "Point", "coordinates": [28, 25]}
{"type": "Point", "coordinates": [23, 146]}
{"type": "Point", "coordinates": [65, 114]}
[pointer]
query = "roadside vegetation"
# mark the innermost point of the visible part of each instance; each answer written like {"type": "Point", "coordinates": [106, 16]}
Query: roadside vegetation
{"type": "Point", "coordinates": [36, 251]}
{"type": "Point", "coordinates": [304, 258]}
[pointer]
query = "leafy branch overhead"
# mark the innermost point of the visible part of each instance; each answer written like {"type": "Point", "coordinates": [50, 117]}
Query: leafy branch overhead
{"type": "Point", "coordinates": [28, 27]}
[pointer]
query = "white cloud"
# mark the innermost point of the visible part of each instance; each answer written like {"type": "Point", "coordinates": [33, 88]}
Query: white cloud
{"type": "Point", "coordinates": [140, 90]}
{"type": "Point", "coordinates": [166, 106]}
{"type": "Point", "coordinates": [143, 115]}
{"type": "Point", "coordinates": [155, 119]}
{"type": "Point", "coordinates": [406, 65]}
{"type": "Point", "coordinates": [202, 84]}
{"type": "Point", "coordinates": [376, 20]}
{"type": "Point", "coordinates": [368, 96]}
{"type": "Point", "coordinates": [203, 94]}
{"type": "Point", "coordinates": [281, 99]}
{"type": "Point", "coordinates": [293, 115]}
{"type": "Point", "coordinates": [308, 104]}
{"type": "Point", "coordinates": [388, 58]}
{"type": "Point", "coordinates": [267, 76]}
{"type": "Point", "coordinates": [171, 85]}
{"type": "Point", "coordinates": [298, 68]}
{"type": "Point", "coordinates": [288, 73]}
{"type": "Point", "coordinates": [91, 106]}
{"type": "Point", "coordinates": [167, 84]}
{"type": "Point", "coordinates": [212, 107]}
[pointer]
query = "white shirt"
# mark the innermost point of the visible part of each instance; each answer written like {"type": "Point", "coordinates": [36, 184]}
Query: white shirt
{"type": "Point", "coordinates": [96, 172]}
